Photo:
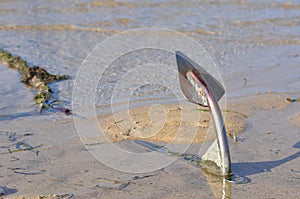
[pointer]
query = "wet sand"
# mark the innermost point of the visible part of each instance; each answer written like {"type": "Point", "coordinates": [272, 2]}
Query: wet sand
{"type": "Point", "coordinates": [295, 120]}
{"type": "Point", "coordinates": [266, 152]}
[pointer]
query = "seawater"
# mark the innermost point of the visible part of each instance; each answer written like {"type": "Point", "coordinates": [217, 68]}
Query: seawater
{"type": "Point", "coordinates": [254, 40]}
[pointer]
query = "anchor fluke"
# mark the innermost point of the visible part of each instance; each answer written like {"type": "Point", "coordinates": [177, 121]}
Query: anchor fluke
{"type": "Point", "coordinates": [201, 88]}
{"type": "Point", "coordinates": [185, 64]}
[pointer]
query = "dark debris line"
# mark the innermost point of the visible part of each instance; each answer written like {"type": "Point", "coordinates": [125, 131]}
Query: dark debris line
{"type": "Point", "coordinates": [37, 78]}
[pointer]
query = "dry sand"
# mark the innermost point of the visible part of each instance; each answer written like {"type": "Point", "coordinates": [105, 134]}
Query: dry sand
{"type": "Point", "coordinates": [181, 123]}
{"type": "Point", "coordinates": [166, 123]}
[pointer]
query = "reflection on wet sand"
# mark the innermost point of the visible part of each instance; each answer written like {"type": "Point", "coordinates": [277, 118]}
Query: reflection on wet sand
{"type": "Point", "coordinates": [220, 187]}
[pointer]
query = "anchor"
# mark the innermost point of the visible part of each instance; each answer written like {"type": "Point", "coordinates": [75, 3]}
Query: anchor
{"type": "Point", "coordinates": [199, 87]}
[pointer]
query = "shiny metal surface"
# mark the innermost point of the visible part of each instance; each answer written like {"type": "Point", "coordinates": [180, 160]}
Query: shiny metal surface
{"type": "Point", "coordinates": [208, 91]}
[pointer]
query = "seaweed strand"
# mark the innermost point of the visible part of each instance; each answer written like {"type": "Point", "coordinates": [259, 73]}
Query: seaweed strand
{"type": "Point", "coordinates": [36, 77]}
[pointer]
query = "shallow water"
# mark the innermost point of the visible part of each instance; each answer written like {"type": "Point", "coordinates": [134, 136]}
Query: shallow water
{"type": "Point", "coordinates": [255, 40]}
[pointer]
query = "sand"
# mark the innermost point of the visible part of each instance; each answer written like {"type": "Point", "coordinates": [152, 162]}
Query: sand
{"type": "Point", "coordinates": [166, 123]}
{"type": "Point", "coordinates": [266, 153]}
{"type": "Point", "coordinates": [184, 123]}
{"type": "Point", "coordinates": [295, 120]}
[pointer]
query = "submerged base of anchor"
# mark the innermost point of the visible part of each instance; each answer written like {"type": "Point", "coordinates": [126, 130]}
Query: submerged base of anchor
{"type": "Point", "coordinates": [211, 160]}
{"type": "Point", "coordinates": [211, 163]}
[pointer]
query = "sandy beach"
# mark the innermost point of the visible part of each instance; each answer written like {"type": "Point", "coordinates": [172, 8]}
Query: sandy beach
{"type": "Point", "coordinates": [252, 48]}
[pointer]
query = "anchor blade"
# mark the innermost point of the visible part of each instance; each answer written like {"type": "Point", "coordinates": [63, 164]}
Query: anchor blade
{"type": "Point", "coordinates": [185, 65]}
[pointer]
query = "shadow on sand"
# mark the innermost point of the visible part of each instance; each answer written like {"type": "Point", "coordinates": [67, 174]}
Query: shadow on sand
{"type": "Point", "coordinates": [221, 188]}
{"type": "Point", "coordinates": [7, 191]}
{"type": "Point", "coordinates": [251, 168]}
